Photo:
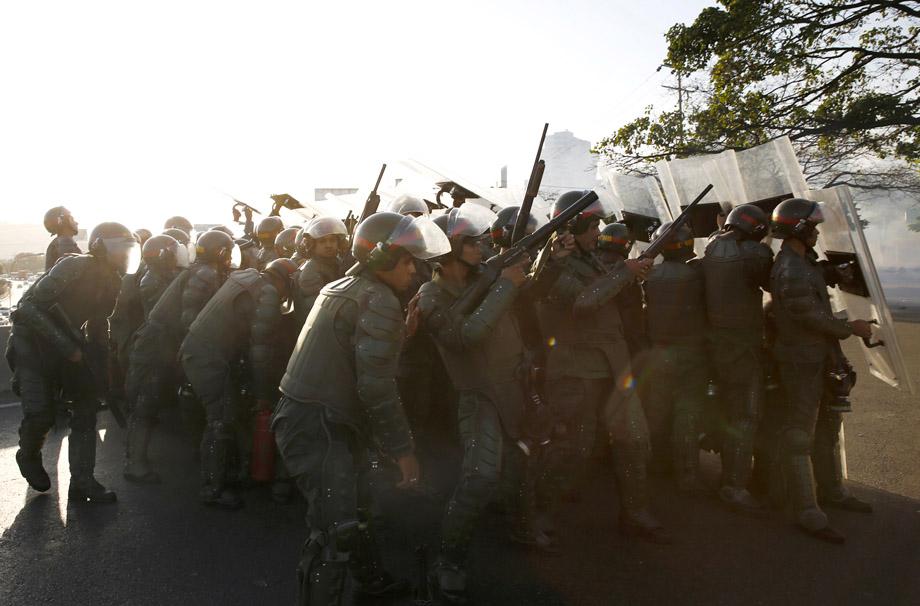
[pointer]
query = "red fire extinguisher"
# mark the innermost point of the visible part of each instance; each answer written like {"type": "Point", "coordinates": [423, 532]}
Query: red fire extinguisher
{"type": "Point", "coordinates": [262, 464]}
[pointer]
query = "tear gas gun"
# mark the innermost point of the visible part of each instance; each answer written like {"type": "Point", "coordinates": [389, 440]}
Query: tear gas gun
{"type": "Point", "coordinates": [373, 199]}
{"type": "Point", "coordinates": [526, 246]}
{"type": "Point", "coordinates": [533, 189]}
{"type": "Point", "coordinates": [664, 239]}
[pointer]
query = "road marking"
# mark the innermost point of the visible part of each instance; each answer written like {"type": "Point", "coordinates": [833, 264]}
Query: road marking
{"type": "Point", "coordinates": [10, 405]}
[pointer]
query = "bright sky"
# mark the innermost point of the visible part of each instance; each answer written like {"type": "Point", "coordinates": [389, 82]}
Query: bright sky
{"type": "Point", "coordinates": [133, 112]}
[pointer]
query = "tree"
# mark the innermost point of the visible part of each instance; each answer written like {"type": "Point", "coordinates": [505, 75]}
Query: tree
{"type": "Point", "coordinates": [841, 78]}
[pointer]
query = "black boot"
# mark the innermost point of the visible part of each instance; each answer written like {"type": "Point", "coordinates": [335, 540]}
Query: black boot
{"type": "Point", "coordinates": [31, 468]}
{"type": "Point", "coordinates": [82, 453]}
{"type": "Point", "coordinates": [215, 450]}
{"type": "Point", "coordinates": [84, 490]}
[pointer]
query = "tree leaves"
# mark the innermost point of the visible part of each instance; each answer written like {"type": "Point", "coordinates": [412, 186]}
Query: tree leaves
{"type": "Point", "coordinates": [841, 78]}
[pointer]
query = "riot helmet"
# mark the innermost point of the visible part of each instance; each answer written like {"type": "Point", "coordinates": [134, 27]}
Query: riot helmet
{"type": "Point", "coordinates": [283, 270]}
{"type": "Point", "coordinates": [187, 250]}
{"type": "Point", "coordinates": [503, 226]}
{"type": "Point", "coordinates": [382, 238]}
{"type": "Point", "coordinates": [408, 205]}
{"type": "Point", "coordinates": [750, 220]}
{"type": "Point", "coordinates": [285, 242]}
{"type": "Point", "coordinates": [114, 243]}
{"type": "Point", "coordinates": [679, 246]}
{"type": "Point", "coordinates": [796, 218]}
{"type": "Point", "coordinates": [161, 252]}
{"type": "Point", "coordinates": [224, 229]}
{"type": "Point", "coordinates": [462, 225]}
{"type": "Point", "coordinates": [216, 247]}
{"type": "Point", "coordinates": [179, 222]}
{"type": "Point", "coordinates": [320, 227]}
{"type": "Point", "coordinates": [580, 224]}
{"type": "Point", "coordinates": [268, 229]}
{"type": "Point", "coordinates": [59, 219]}
{"type": "Point", "coordinates": [615, 238]}
{"type": "Point", "coordinates": [142, 235]}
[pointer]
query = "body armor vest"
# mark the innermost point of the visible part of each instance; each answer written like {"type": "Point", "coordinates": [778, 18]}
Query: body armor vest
{"type": "Point", "coordinates": [591, 345]}
{"type": "Point", "coordinates": [734, 299]}
{"type": "Point", "coordinates": [215, 329]}
{"type": "Point", "coordinates": [675, 293]}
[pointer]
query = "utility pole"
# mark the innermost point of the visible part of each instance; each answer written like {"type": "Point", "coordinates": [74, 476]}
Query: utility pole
{"type": "Point", "coordinates": [680, 101]}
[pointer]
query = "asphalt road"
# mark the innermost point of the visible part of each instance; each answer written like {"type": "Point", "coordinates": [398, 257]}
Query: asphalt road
{"type": "Point", "coordinates": [158, 546]}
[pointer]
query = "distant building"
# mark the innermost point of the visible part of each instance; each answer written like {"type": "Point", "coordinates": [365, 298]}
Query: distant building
{"type": "Point", "coordinates": [319, 193]}
{"type": "Point", "coordinates": [569, 164]}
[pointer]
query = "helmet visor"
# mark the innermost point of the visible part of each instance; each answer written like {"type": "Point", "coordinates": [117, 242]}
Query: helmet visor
{"type": "Point", "coordinates": [817, 214]}
{"type": "Point", "coordinates": [469, 220]}
{"type": "Point", "coordinates": [420, 237]}
{"type": "Point", "coordinates": [123, 253]}
{"type": "Point", "coordinates": [236, 257]}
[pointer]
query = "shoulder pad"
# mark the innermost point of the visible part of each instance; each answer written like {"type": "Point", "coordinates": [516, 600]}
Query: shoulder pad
{"type": "Point", "coordinates": [381, 314]}
{"type": "Point", "coordinates": [203, 271]}
{"type": "Point", "coordinates": [246, 277]}
{"type": "Point", "coordinates": [757, 249]}
{"type": "Point", "coordinates": [430, 297]}
{"type": "Point", "coordinates": [341, 285]}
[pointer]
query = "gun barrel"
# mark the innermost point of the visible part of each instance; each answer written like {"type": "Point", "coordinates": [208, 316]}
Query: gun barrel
{"type": "Point", "coordinates": [655, 249]}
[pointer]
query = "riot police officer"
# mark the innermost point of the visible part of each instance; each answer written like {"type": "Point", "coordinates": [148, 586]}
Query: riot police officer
{"type": "Point", "coordinates": [736, 267]}
{"type": "Point", "coordinates": [613, 246]}
{"type": "Point", "coordinates": [161, 256]}
{"type": "Point", "coordinates": [153, 371]}
{"type": "Point", "coordinates": [59, 346]}
{"type": "Point", "coordinates": [340, 399]}
{"type": "Point", "coordinates": [588, 369]}
{"type": "Point", "coordinates": [286, 242]}
{"type": "Point", "coordinates": [138, 294]}
{"type": "Point", "coordinates": [484, 354]}
{"type": "Point", "coordinates": [806, 331]}
{"type": "Point", "coordinates": [321, 242]}
{"type": "Point", "coordinates": [419, 367]}
{"type": "Point", "coordinates": [62, 225]}
{"type": "Point", "coordinates": [239, 323]}
{"type": "Point", "coordinates": [409, 206]}
{"type": "Point", "coordinates": [142, 234]}
{"type": "Point", "coordinates": [675, 293]}
{"type": "Point", "coordinates": [179, 222]}
{"type": "Point", "coordinates": [266, 232]}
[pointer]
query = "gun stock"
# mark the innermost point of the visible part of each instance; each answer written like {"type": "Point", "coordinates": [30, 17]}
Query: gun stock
{"type": "Point", "coordinates": [533, 189]}
{"type": "Point", "coordinates": [373, 199]}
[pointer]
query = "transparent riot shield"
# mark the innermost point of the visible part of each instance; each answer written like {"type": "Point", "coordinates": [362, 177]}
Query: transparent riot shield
{"type": "Point", "coordinates": [841, 241]}
{"type": "Point", "coordinates": [683, 180]}
{"type": "Point", "coordinates": [638, 200]}
{"type": "Point", "coordinates": [449, 182]}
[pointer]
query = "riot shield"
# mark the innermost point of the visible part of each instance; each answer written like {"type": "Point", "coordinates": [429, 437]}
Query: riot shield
{"type": "Point", "coordinates": [841, 240]}
{"type": "Point", "coordinates": [764, 175]}
{"type": "Point", "coordinates": [639, 202]}
{"type": "Point", "coordinates": [458, 189]}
